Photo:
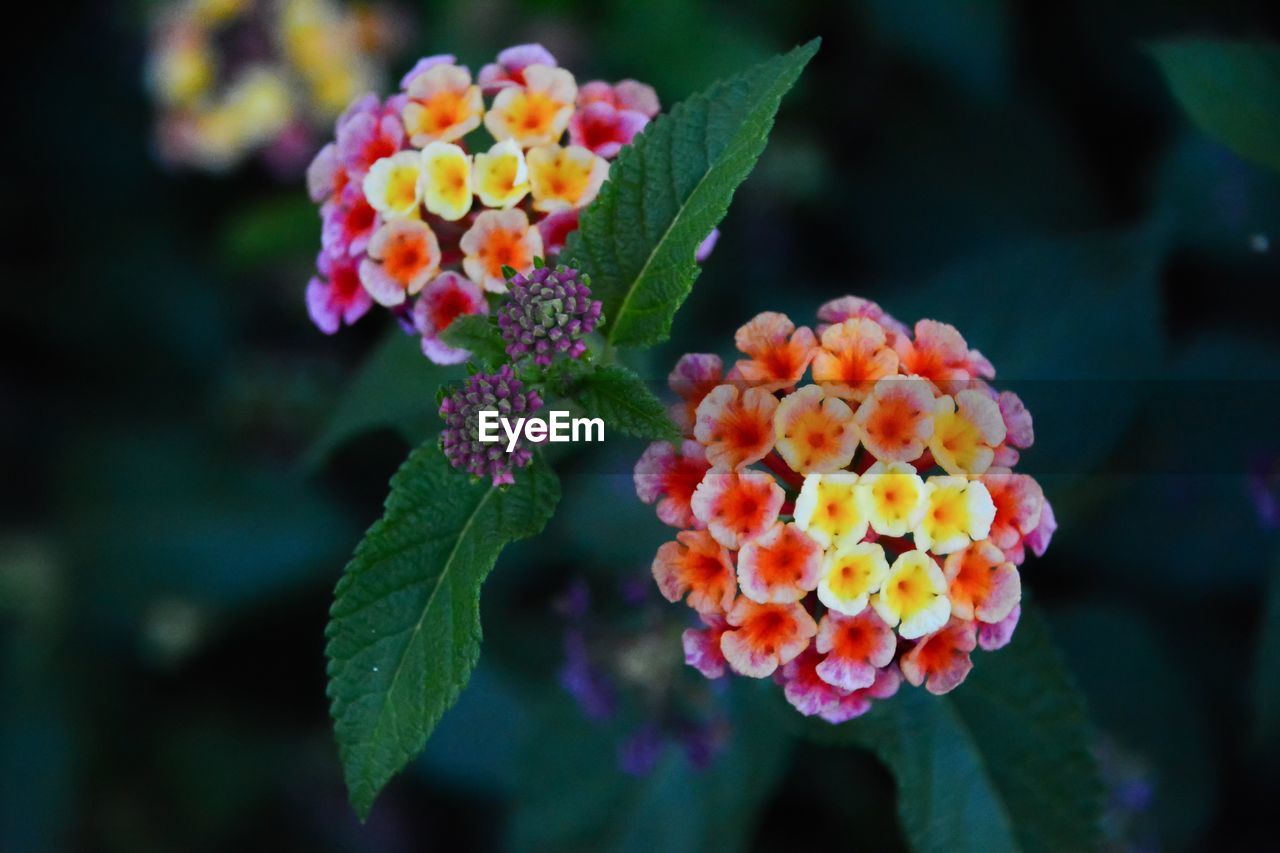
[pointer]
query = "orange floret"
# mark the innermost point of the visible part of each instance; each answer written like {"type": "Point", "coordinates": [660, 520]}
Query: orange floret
{"type": "Point", "coordinates": [982, 584]}
{"type": "Point", "coordinates": [737, 506]}
{"type": "Point", "coordinates": [698, 565]}
{"type": "Point", "coordinates": [780, 353]}
{"type": "Point", "coordinates": [765, 636]}
{"type": "Point", "coordinates": [1019, 503]}
{"type": "Point", "coordinates": [780, 566]}
{"type": "Point", "coordinates": [814, 431]}
{"type": "Point", "coordinates": [736, 426]}
{"type": "Point", "coordinates": [896, 420]}
{"type": "Point", "coordinates": [855, 647]}
{"type": "Point", "coordinates": [853, 356]}
{"type": "Point", "coordinates": [940, 661]}
{"type": "Point", "coordinates": [939, 353]}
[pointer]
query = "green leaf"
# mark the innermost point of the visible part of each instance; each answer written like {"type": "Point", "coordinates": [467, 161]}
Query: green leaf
{"type": "Point", "coordinates": [621, 399]}
{"type": "Point", "coordinates": [1231, 90]}
{"type": "Point", "coordinates": [394, 388]}
{"type": "Point", "coordinates": [1001, 763]}
{"type": "Point", "coordinates": [404, 629]}
{"type": "Point", "coordinates": [668, 190]}
{"type": "Point", "coordinates": [480, 336]}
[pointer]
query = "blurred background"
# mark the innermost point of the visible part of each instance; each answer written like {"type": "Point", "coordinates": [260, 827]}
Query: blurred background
{"type": "Point", "coordinates": [189, 462]}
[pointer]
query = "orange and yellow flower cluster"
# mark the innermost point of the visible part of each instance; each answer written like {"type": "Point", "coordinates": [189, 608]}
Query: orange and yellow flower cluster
{"type": "Point", "coordinates": [233, 78]}
{"type": "Point", "coordinates": [851, 531]}
{"type": "Point", "coordinates": [433, 195]}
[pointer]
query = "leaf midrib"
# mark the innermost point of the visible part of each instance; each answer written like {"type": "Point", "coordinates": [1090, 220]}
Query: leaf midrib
{"type": "Point", "coordinates": [413, 633]}
{"type": "Point", "coordinates": [979, 756]}
{"type": "Point", "coordinates": [684, 205]}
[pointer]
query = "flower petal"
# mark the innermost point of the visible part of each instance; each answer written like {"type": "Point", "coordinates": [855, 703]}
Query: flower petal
{"type": "Point", "coordinates": [780, 566]}
{"type": "Point", "coordinates": [737, 506]}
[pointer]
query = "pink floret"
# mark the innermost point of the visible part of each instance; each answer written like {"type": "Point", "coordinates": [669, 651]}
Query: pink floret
{"type": "Point", "coordinates": [508, 71]}
{"type": "Point", "coordinates": [702, 646]}
{"type": "Point", "coordinates": [604, 129]}
{"type": "Point", "coordinates": [425, 63]}
{"type": "Point", "coordinates": [336, 297]}
{"type": "Point", "coordinates": [994, 637]}
{"type": "Point", "coordinates": [443, 300]}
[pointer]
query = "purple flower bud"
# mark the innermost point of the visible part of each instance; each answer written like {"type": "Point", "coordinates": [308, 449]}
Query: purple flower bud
{"type": "Point", "coordinates": [707, 246]}
{"type": "Point", "coordinates": [501, 392]}
{"type": "Point", "coordinates": [548, 312]}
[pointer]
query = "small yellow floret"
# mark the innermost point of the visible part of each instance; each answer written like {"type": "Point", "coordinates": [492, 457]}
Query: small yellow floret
{"type": "Point", "coordinates": [446, 180]}
{"type": "Point", "coordinates": [828, 509]}
{"type": "Point", "coordinates": [914, 596]}
{"type": "Point", "coordinates": [850, 575]}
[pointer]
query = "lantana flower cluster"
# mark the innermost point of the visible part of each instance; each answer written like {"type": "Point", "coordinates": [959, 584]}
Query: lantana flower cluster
{"type": "Point", "coordinates": [848, 531]}
{"type": "Point", "coordinates": [544, 316]}
{"type": "Point", "coordinates": [430, 197]}
{"type": "Point", "coordinates": [233, 78]}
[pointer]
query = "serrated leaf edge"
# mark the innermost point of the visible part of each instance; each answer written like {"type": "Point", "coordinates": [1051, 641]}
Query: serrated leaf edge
{"type": "Point", "coordinates": [362, 798]}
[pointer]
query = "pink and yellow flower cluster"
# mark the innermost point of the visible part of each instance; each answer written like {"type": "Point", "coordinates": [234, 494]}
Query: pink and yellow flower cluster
{"type": "Point", "coordinates": [852, 530]}
{"type": "Point", "coordinates": [233, 78]}
{"type": "Point", "coordinates": [431, 194]}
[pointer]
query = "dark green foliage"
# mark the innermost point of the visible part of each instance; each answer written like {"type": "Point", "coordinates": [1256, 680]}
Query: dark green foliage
{"type": "Point", "coordinates": [404, 630]}
{"type": "Point", "coordinates": [626, 404]}
{"type": "Point", "coordinates": [480, 335]}
{"type": "Point", "coordinates": [1231, 90]}
{"type": "Point", "coordinates": [668, 190]}
{"type": "Point", "coordinates": [1001, 763]}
